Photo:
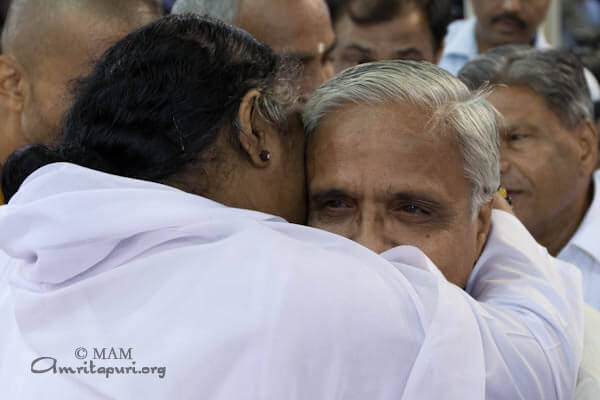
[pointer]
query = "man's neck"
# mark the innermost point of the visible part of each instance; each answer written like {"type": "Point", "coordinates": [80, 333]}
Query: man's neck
{"type": "Point", "coordinates": [558, 232]}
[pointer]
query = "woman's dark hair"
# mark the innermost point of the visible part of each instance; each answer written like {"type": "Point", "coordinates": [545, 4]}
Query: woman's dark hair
{"type": "Point", "coordinates": [158, 98]}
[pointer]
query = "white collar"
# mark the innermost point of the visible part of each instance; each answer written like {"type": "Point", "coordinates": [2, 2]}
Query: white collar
{"type": "Point", "coordinates": [464, 42]}
{"type": "Point", "coordinates": [587, 236]}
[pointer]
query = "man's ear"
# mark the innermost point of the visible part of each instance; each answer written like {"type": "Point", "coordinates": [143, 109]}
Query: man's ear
{"type": "Point", "coordinates": [484, 223]}
{"type": "Point", "coordinates": [252, 135]}
{"type": "Point", "coordinates": [12, 83]}
{"type": "Point", "coordinates": [588, 145]}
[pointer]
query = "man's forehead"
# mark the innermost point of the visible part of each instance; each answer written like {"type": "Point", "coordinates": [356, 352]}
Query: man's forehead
{"type": "Point", "coordinates": [383, 118]}
{"type": "Point", "coordinates": [300, 26]}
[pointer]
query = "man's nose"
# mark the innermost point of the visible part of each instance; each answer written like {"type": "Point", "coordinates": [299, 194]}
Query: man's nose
{"type": "Point", "coordinates": [371, 236]}
{"type": "Point", "coordinates": [504, 166]}
{"type": "Point", "coordinates": [511, 6]}
{"type": "Point", "coordinates": [327, 72]}
{"type": "Point", "coordinates": [504, 161]}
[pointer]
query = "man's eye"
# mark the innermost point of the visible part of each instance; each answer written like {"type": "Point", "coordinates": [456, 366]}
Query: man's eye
{"type": "Point", "coordinates": [413, 210]}
{"type": "Point", "coordinates": [336, 204]}
{"type": "Point", "coordinates": [514, 137]}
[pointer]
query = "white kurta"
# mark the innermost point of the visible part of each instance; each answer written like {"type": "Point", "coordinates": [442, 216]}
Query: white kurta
{"type": "Point", "coordinates": [117, 282]}
{"type": "Point", "coordinates": [588, 381]}
{"type": "Point", "coordinates": [583, 249]}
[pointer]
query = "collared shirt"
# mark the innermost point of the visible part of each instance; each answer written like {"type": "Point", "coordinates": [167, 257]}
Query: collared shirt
{"type": "Point", "coordinates": [236, 304]}
{"type": "Point", "coordinates": [583, 250]}
{"type": "Point", "coordinates": [588, 380]}
{"type": "Point", "coordinates": [460, 47]}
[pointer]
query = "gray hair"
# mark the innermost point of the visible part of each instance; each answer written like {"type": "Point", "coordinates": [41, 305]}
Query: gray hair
{"type": "Point", "coordinates": [465, 115]}
{"type": "Point", "coordinates": [225, 10]}
{"type": "Point", "coordinates": [555, 75]}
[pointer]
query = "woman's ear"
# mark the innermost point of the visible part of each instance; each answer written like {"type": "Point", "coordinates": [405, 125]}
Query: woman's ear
{"type": "Point", "coordinates": [253, 135]}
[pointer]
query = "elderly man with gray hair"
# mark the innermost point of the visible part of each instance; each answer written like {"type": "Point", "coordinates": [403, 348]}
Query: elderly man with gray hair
{"type": "Point", "coordinates": [549, 150]}
{"type": "Point", "coordinates": [403, 153]}
{"type": "Point", "coordinates": [298, 29]}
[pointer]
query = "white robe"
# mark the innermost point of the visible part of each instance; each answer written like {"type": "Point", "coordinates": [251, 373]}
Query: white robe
{"type": "Point", "coordinates": [236, 304]}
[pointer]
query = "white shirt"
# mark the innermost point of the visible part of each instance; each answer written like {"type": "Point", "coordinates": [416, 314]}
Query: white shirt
{"type": "Point", "coordinates": [236, 304]}
{"type": "Point", "coordinates": [583, 250]}
{"type": "Point", "coordinates": [460, 47]}
{"type": "Point", "coordinates": [588, 381]}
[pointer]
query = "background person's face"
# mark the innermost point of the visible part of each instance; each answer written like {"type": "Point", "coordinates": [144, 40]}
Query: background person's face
{"type": "Point", "coordinates": [509, 21]}
{"type": "Point", "coordinates": [540, 164]}
{"type": "Point", "coordinates": [300, 29]}
{"type": "Point", "coordinates": [377, 176]}
{"type": "Point", "coordinates": [407, 36]}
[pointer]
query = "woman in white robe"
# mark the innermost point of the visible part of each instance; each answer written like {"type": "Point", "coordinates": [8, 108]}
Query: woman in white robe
{"type": "Point", "coordinates": [164, 283]}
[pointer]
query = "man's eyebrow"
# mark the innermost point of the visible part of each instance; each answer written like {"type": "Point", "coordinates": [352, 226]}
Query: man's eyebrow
{"type": "Point", "coordinates": [299, 56]}
{"type": "Point", "coordinates": [509, 129]}
{"type": "Point", "coordinates": [411, 50]}
{"type": "Point", "coordinates": [417, 196]}
{"type": "Point", "coordinates": [330, 193]}
{"type": "Point", "coordinates": [359, 48]}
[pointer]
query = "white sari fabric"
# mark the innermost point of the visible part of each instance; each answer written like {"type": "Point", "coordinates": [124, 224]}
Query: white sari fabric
{"type": "Point", "coordinates": [234, 304]}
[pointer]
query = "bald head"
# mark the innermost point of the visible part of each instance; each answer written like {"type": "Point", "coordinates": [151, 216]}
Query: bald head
{"type": "Point", "coordinates": [225, 10]}
{"type": "Point", "coordinates": [36, 28]}
{"type": "Point", "coordinates": [296, 28]}
{"type": "Point", "coordinates": [46, 46]}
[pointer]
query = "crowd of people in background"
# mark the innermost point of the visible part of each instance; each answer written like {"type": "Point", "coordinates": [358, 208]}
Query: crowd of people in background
{"type": "Point", "coordinates": [311, 199]}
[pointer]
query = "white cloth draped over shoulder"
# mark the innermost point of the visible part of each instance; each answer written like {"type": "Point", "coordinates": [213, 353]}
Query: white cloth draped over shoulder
{"type": "Point", "coordinates": [236, 304]}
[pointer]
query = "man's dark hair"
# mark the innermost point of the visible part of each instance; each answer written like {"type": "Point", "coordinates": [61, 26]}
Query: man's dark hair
{"type": "Point", "coordinates": [3, 11]}
{"type": "Point", "coordinates": [335, 8]}
{"type": "Point", "coordinates": [157, 100]}
{"type": "Point", "coordinates": [370, 12]}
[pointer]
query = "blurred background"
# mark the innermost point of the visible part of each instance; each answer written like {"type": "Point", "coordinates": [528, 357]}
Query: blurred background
{"type": "Point", "coordinates": [574, 24]}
